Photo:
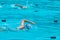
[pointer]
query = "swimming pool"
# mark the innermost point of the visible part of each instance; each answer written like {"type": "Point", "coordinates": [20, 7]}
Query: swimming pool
{"type": "Point", "coordinates": [45, 13]}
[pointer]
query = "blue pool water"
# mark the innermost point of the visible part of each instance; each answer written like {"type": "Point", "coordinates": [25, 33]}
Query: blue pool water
{"type": "Point", "coordinates": [45, 14]}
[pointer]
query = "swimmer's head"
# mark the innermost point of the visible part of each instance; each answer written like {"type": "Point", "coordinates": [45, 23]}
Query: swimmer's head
{"type": "Point", "coordinates": [24, 7]}
{"type": "Point", "coordinates": [28, 26]}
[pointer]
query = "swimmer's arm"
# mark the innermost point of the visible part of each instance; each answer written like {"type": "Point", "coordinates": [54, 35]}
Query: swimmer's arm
{"type": "Point", "coordinates": [18, 5]}
{"type": "Point", "coordinates": [29, 21]}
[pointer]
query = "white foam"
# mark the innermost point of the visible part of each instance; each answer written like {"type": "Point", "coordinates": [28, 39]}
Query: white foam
{"type": "Point", "coordinates": [5, 24]}
{"type": "Point", "coordinates": [3, 27]}
{"type": "Point", "coordinates": [12, 5]}
{"type": "Point", "coordinates": [19, 8]}
{"type": "Point", "coordinates": [0, 6]}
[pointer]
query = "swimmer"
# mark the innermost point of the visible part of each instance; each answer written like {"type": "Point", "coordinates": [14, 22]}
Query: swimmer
{"type": "Point", "coordinates": [18, 28]}
{"type": "Point", "coordinates": [20, 6]}
{"type": "Point", "coordinates": [22, 24]}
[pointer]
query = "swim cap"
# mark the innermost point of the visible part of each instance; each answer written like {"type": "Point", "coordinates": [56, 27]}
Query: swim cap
{"type": "Point", "coordinates": [24, 7]}
{"type": "Point", "coordinates": [28, 26]}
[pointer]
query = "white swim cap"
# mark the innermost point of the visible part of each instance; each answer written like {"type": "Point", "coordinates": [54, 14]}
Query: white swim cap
{"type": "Point", "coordinates": [24, 6]}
